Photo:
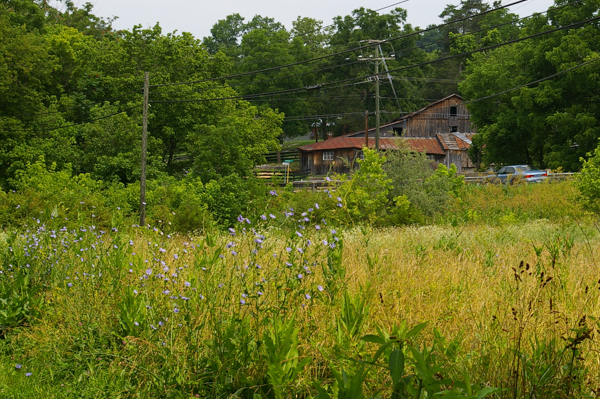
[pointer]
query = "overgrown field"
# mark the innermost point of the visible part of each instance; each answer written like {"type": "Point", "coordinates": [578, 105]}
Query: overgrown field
{"type": "Point", "coordinates": [264, 312]}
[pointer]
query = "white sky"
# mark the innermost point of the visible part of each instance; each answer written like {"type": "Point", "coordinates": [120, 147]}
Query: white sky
{"type": "Point", "coordinates": [198, 16]}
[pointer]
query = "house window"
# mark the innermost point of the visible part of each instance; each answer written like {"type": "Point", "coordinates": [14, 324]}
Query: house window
{"type": "Point", "coordinates": [327, 155]}
{"type": "Point", "coordinates": [453, 129]}
{"type": "Point", "coordinates": [361, 155]}
{"type": "Point", "coordinates": [453, 110]}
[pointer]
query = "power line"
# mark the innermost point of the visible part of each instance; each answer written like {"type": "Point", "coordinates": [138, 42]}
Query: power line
{"type": "Point", "coordinates": [339, 115]}
{"type": "Point", "coordinates": [534, 82]}
{"type": "Point", "coordinates": [340, 46]}
{"type": "Point", "coordinates": [341, 52]}
{"type": "Point", "coordinates": [91, 104]}
{"type": "Point", "coordinates": [75, 124]}
{"type": "Point", "coordinates": [330, 84]}
{"type": "Point", "coordinates": [308, 117]}
{"type": "Point", "coordinates": [422, 46]}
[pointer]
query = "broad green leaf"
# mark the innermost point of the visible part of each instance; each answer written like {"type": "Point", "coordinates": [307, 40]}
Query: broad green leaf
{"type": "Point", "coordinates": [374, 339]}
{"type": "Point", "coordinates": [396, 365]}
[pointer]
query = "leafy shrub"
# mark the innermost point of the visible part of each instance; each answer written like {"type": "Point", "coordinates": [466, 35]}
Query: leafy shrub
{"type": "Point", "coordinates": [429, 191]}
{"type": "Point", "coordinates": [366, 195]}
{"type": "Point", "coordinates": [588, 182]}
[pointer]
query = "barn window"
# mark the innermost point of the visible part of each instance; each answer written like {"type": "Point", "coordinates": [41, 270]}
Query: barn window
{"type": "Point", "coordinates": [453, 129]}
{"type": "Point", "coordinates": [327, 155]}
{"type": "Point", "coordinates": [398, 131]}
{"type": "Point", "coordinates": [453, 110]}
{"type": "Point", "coordinates": [361, 155]}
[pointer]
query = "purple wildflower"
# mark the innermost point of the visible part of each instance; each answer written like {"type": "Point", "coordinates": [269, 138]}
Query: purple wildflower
{"type": "Point", "coordinates": [307, 296]}
{"type": "Point", "coordinates": [320, 288]}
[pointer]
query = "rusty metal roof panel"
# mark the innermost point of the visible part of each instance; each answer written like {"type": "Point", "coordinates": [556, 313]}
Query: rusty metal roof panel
{"type": "Point", "coordinates": [430, 145]}
{"type": "Point", "coordinates": [339, 143]}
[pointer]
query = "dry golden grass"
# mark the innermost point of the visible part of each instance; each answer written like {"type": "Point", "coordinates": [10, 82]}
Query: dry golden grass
{"type": "Point", "coordinates": [484, 286]}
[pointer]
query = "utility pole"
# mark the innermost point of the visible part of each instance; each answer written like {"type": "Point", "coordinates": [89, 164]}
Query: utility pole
{"type": "Point", "coordinates": [377, 98]}
{"type": "Point", "coordinates": [367, 128]}
{"type": "Point", "coordinates": [377, 60]}
{"type": "Point", "coordinates": [144, 145]}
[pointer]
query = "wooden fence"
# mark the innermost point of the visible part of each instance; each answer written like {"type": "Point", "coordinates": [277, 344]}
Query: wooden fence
{"type": "Point", "coordinates": [286, 155]}
{"type": "Point", "coordinates": [280, 175]}
{"type": "Point", "coordinates": [482, 178]}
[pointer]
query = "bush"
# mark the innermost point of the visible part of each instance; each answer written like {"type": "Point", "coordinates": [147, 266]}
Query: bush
{"type": "Point", "coordinates": [429, 191]}
{"type": "Point", "coordinates": [588, 182]}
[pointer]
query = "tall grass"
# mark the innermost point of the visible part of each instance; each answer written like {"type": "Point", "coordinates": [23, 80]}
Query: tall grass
{"type": "Point", "coordinates": [504, 204]}
{"type": "Point", "coordinates": [272, 313]}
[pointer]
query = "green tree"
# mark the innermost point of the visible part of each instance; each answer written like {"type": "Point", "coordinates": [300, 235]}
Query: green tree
{"type": "Point", "coordinates": [366, 194]}
{"type": "Point", "coordinates": [236, 142]}
{"type": "Point", "coordinates": [549, 124]}
{"type": "Point", "coordinates": [110, 148]}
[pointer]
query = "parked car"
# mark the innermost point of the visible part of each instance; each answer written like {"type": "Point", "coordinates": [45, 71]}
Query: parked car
{"type": "Point", "coordinates": [517, 173]}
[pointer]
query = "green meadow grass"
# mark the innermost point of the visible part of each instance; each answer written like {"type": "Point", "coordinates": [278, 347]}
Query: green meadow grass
{"type": "Point", "coordinates": [269, 312]}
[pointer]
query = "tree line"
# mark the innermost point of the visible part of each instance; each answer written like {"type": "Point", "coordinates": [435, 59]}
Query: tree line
{"type": "Point", "coordinates": [71, 85]}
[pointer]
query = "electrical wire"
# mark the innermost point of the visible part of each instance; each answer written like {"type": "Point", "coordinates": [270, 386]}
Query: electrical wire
{"type": "Point", "coordinates": [422, 46]}
{"type": "Point", "coordinates": [74, 124]}
{"type": "Point", "coordinates": [91, 104]}
{"type": "Point", "coordinates": [330, 84]}
{"type": "Point", "coordinates": [308, 117]}
{"type": "Point", "coordinates": [534, 82]}
{"type": "Point", "coordinates": [341, 52]}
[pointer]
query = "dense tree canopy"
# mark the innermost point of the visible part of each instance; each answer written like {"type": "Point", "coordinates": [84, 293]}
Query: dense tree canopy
{"type": "Point", "coordinates": [552, 123]}
{"type": "Point", "coordinates": [71, 86]}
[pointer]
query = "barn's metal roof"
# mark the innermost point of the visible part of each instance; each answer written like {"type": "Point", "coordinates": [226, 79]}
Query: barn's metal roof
{"type": "Point", "coordinates": [431, 145]}
{"type": "Point", "coordinates": [348, 142]}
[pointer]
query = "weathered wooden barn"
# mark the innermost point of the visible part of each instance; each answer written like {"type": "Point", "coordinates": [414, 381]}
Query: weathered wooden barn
{"type": "Point", "coordinates": [447, 115]}
{"type": "Point", "coordinates": [339, 154]}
